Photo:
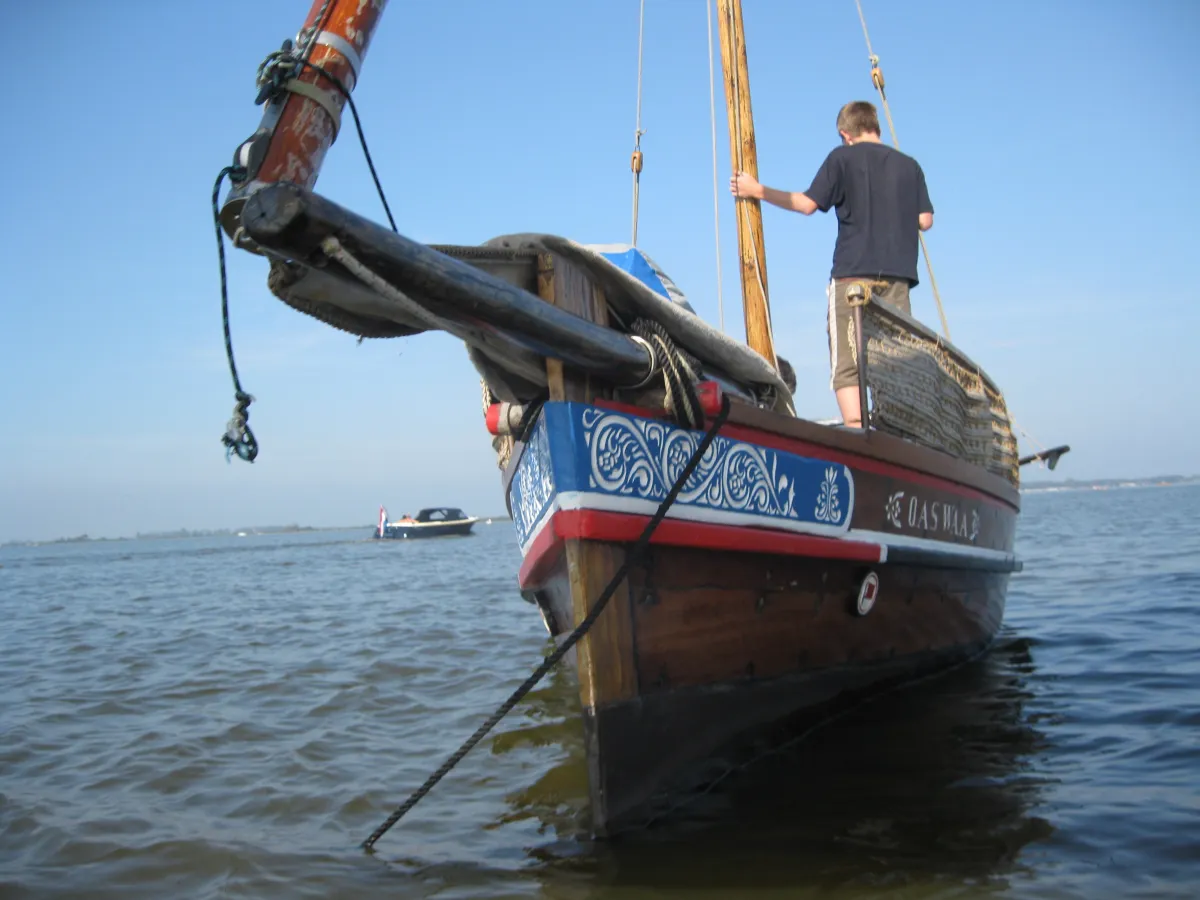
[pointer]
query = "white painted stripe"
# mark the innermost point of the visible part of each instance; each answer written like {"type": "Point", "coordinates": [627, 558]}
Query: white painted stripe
{"type": "Point", "coordinates": [344, 47]}
{"type": "Point", "coordinates": [635, 506]}
{"type": "Point", "coordinates": [582, 500]}
{"type": "Point", "coordinates": [918, 543]}
{"type": "Point", "coordinates": [541, 523]}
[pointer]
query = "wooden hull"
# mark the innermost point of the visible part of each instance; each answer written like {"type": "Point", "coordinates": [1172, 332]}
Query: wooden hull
{"type": "Point", "coordinates": [804, 566]}
{"type": "Point", "coordinates": [721, 648]}
{"type": "Point", "coordinates": [731, 625]}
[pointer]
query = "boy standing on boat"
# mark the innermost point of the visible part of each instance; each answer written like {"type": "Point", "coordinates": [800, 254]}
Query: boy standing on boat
{"type": "Point", "coordinates": [881, 201]}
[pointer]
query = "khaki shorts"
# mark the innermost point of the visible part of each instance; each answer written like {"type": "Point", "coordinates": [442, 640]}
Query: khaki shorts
{"type": "Point", "coordinates": [843, 360]}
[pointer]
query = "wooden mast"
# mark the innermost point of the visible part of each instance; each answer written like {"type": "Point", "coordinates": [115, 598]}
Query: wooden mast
{"type": "Point", "coordinates": [744, 156]}
{"type": "Point", "coordinates": [300, 122]}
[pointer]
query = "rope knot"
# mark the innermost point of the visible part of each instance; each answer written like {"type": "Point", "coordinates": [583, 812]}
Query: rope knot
{"type": "Point", "coordinates": [238, 438]}
{"type": "Point", "coordinates": [858, 293]}
{"type": "Point", "coordinates": [275, 71]}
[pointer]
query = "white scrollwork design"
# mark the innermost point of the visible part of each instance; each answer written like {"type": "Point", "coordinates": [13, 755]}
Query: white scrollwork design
{"type": "Point", "coordinates": [828, 506]}
{"type": "Point", "coordinates": [642, 458]}
{"type": "Point", "coordinates": [534, 483]}
{"type": "Point", "coordinates": [893, 507]}
{"type": "Point", "coordinates": [974, 525]}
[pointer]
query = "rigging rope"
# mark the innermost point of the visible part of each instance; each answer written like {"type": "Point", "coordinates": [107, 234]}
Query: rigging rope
{"type": "Point", "coordinates": [632, 558]}
{"type": "Point", "coordinates": [712, 118]}
{"type": "Point", "coordinates": [635, 161]}
{"type": "Point", "coordinates": [1042, 448]}
{"type": "Point", "coordinates": [306, 40]}
{"type": "Point", "coordinates": [877, 80]}
{"type": "Point", "coordinates": [333, 248]}
{"type": "Point", "coordinates": [273, 75]}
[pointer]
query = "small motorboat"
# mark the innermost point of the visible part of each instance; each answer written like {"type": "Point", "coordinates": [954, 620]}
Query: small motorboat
{"type": "Point", "coordinates": [439, 521]}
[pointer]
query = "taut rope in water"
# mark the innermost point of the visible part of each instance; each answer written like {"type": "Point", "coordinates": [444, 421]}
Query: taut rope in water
{"type": "Point", "coordinates": [632, 558]}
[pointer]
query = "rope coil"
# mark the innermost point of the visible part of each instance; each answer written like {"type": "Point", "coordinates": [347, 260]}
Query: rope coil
{"type": "Point", "coordinates": [680, 372]}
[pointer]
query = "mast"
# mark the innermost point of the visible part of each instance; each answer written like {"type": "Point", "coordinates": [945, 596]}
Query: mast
{"type": "Point", "coordinates": [303, 108]}
{"type": "Point", "coordinates": [743, 155]}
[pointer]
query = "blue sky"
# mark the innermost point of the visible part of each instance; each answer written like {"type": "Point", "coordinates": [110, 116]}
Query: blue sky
{"type": "Point", "coordinates": [1058, 139]}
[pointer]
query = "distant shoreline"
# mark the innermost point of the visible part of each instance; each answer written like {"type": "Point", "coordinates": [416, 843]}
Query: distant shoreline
{"type": "Point", "coordinates": [1035, 487]}
{"type": "Point", "coordinates": [184, 533]}
{"type": "Point", "coordinates": [1109, 484]}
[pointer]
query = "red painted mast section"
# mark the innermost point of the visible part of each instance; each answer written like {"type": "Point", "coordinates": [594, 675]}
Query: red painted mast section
{"type": "Point", "coordinates": [297, 131]}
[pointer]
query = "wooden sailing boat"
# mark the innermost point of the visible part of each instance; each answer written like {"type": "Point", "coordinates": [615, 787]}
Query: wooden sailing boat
{"type": "Point", "coordinates": [799, 565]}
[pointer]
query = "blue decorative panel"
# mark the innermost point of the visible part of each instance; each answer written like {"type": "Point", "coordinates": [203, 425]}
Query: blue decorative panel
{"type": "Point", "coordinates": [586, 457]}
{"type": "Point", "coordinates": [531, 492]}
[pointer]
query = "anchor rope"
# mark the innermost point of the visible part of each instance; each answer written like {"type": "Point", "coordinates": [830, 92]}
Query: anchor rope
{"type": "Point", "coordinates": [878, 81]}
{"type": "Point", "coordinates": [632, 558]}
{"type": "Point", "coordinates": [712, 120]}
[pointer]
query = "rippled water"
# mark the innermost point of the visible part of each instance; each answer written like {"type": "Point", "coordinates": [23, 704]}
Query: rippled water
{"type": "Point", "coordinates": [231, 717]}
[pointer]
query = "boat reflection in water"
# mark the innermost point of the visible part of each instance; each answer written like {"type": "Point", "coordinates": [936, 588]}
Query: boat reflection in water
{"type": "Point", "coordinates": [929, 784]}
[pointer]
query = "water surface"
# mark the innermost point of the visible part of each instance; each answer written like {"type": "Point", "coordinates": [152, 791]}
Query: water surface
{"type": "Point", "coordinates": [230, 717]}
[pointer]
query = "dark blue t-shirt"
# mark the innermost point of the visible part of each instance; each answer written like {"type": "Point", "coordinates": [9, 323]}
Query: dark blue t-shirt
{"type": "Point", "coordinates": [878, 193]}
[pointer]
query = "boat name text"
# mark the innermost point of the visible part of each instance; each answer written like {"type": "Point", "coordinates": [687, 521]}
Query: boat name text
{"type": "Point", "coordinates": [937, 516]}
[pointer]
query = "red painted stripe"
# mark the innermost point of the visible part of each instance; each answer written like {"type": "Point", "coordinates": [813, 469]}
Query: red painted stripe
{"type": "Point", "coordinates": [820, 451]}
{"type": "Point", "coordinates": [597, 525]}
{"type": "Point", "coordinates": [863, 463]}
{"type": "Point", "coordinates": [542, 554]}
{"type": "Point", "coordinates": [617, 406]}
